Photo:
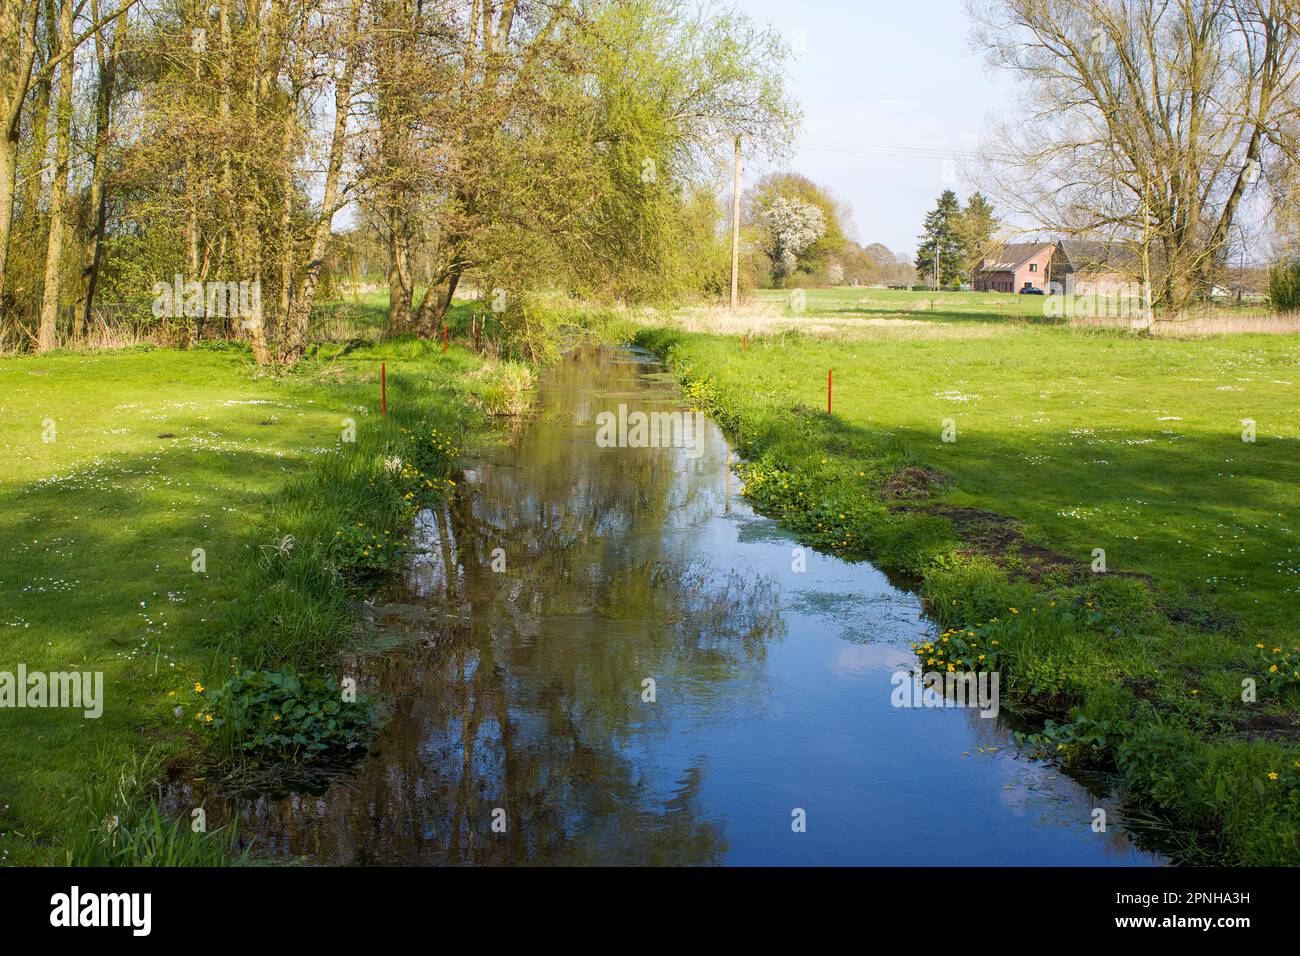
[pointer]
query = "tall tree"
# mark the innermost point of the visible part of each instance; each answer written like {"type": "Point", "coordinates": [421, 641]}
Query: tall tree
{"type": "Point", "coordinates": [978, 224]}
{"type": "Point", "coordinates": [942, 239]}
{"type": "Point", "coordinates": [59, 199]}
{"type": "Point", "coordinates": [1146, 123]}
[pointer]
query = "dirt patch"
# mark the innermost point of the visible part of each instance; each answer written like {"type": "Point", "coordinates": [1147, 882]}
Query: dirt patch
{"type": "Point", "coordinates": [1270, 727]}
{"type": "Point", "coordinates": [914, 482]}
{"type": "Point", "coordinates": [1000, 538]}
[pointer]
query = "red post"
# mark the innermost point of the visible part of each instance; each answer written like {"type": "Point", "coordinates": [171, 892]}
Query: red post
{"type": "Point", "coordinates": [829, 374]}
{"type": "Point", "coordinates": [383, 389]}
{"type": "Point", "coordinates": [744, 343]}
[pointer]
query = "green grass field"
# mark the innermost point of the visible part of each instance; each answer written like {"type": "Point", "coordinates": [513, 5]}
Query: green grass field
{"type": "Point", "coordinates": [120, 466]}
{"type": "Point", "coordinates": [1064, 441]}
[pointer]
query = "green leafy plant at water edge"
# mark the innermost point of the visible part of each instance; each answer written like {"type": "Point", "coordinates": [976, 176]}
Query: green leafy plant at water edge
{"type": "Point", "coordinates": [285, 716]}
{"type": "Point", "coordinates": [363, 555]}
{"type": "Point", "coordinates": [1080, 742]}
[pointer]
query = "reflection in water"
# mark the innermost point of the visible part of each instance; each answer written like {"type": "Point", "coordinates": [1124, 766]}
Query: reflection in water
{"type": "Point", "coordinates": [517, 695]}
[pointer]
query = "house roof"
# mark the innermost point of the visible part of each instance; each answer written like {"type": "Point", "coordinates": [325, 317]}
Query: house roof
{"type": "Point", "coordinates": [1013, 255]}
{"type": "Point", "coordinates": [1092, 256]}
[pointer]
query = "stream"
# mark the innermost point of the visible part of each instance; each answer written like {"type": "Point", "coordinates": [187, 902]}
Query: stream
{"type": "Point", "coordinates": [522, 727]}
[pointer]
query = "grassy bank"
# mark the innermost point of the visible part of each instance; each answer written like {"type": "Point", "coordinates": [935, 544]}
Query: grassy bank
{"type": "Point", "coordinates": [164, 512]}
{"type": "Point", "coordinates": [1062, 444]}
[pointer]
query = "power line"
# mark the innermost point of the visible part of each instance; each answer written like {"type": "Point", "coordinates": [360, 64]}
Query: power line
{"type": "Point", "coordinates": [905, 152]}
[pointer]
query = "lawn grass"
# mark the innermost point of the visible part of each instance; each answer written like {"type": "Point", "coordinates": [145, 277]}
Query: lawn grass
{"type": "Point", "coordinates": [1085, 440]}
{"type": "Point", "coordinates": [120, 465]}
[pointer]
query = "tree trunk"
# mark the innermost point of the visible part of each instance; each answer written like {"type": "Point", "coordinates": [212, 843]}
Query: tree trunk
{"type": "Point", "coordinates": [47, 334]}
{"type": "Point", "coordinates": [19, 49]}
{"type": "Point", "coordinates": [98, 189]}
{"type": "Point", "coordinates": [294, 338]}
{"type": "Point", "coordinates": [8, 186]}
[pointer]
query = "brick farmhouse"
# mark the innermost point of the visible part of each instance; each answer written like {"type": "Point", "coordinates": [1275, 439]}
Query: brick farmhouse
{"type": "Point", "coordinates": [1016, 266]}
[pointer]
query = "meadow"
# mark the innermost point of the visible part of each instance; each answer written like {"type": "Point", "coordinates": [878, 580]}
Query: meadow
{"type": "Point", "coordinates": [163, 512]}
{"type": "Point", "coordinates": [1116, 511]}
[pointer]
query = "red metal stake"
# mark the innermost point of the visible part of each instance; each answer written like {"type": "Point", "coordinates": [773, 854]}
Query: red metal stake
{"type": "Point", "coordinates": [744, 343]}
{"type": "Point", "coordinates": [383, 389]}
{"type": "Point", "coordinates": [829, 373]}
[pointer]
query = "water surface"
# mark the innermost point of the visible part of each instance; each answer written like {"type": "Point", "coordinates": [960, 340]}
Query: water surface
{"type": "Point", "coordinates": [517, 696]}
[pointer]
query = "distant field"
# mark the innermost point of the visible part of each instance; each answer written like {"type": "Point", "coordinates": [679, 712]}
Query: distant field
{"type": "Point", "coordinates": [854, 305]}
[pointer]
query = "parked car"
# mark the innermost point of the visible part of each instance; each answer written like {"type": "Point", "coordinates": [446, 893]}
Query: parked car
{"type": "Point", "coordinates": [1030, 290]}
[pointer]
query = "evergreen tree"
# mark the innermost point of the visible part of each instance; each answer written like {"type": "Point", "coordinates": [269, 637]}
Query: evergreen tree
{"type": "Point", "coordinates": [943, 238]}
{"type": "Point", "coordinates": [978, 224]}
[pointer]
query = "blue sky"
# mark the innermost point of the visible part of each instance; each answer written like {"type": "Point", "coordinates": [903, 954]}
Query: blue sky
{"type": "Point", "coordinates": [892, 95]}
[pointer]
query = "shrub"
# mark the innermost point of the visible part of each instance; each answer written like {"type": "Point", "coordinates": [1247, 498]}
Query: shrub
{"type": "Point", "coordinates": [1284, 284]}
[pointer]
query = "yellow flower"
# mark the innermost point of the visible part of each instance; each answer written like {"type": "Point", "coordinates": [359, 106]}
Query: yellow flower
{"type": "Point", "coordinates": [1272, 775]}
{"type": "Point", "coordinates": [276, 717]}
{"type": "Point", "coordinates": [171, 693]}
{"type": "Point", "coordinates": [208, 718]}
{"type": "Point", "coordinates": [198, 688]}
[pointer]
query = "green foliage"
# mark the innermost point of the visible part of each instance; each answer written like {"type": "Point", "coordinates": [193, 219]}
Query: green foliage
{"type": "Point", "coordinates": [285, 716]}
{"type": "Point", "coordinates": [943, 237]}
{"type": "Point", "coordinates": [1284, 285]}
{"type": "Point", "coordinates": [1159, 759]}
{"type": "Point", "coordinates": [363, 556]}
{"type": "Point", "coordinates": [1078, 743]}
{"type": "Point", "coordinates": [506, 388]}
{"type": "Point", "coordinates": [1280, 665]}
{"type": "Point", "coordinates": [118, 824]}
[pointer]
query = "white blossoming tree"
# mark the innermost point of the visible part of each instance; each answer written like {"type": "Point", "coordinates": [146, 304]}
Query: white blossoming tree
{"type": "Point", "coordinates": [791, 226]}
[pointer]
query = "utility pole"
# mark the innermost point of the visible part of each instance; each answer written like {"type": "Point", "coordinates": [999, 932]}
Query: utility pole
{"type": "Point", "coordinates": [735, 232]}
{"type": "Point", "coordinates": [1149, 316]}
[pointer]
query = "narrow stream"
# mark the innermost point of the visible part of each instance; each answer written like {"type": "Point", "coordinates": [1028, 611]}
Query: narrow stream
{"type": "Point", "coordinates": [518, 696]}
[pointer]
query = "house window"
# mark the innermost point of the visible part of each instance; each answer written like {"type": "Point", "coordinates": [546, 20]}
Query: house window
{"type": "Point", "coordinates": [1033, 267]}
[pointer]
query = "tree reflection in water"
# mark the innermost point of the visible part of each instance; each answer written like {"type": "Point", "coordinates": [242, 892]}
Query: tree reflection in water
{"type": "Point", "coordinates": [523, 689]}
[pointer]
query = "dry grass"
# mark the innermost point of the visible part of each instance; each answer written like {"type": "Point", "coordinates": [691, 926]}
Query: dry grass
{"type": "Point", "coordinates": [1277, 323]}
{"type": "Point", "coordinates": [98, 336]}
{"type": "Point", "coordinates": [762, 318]}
